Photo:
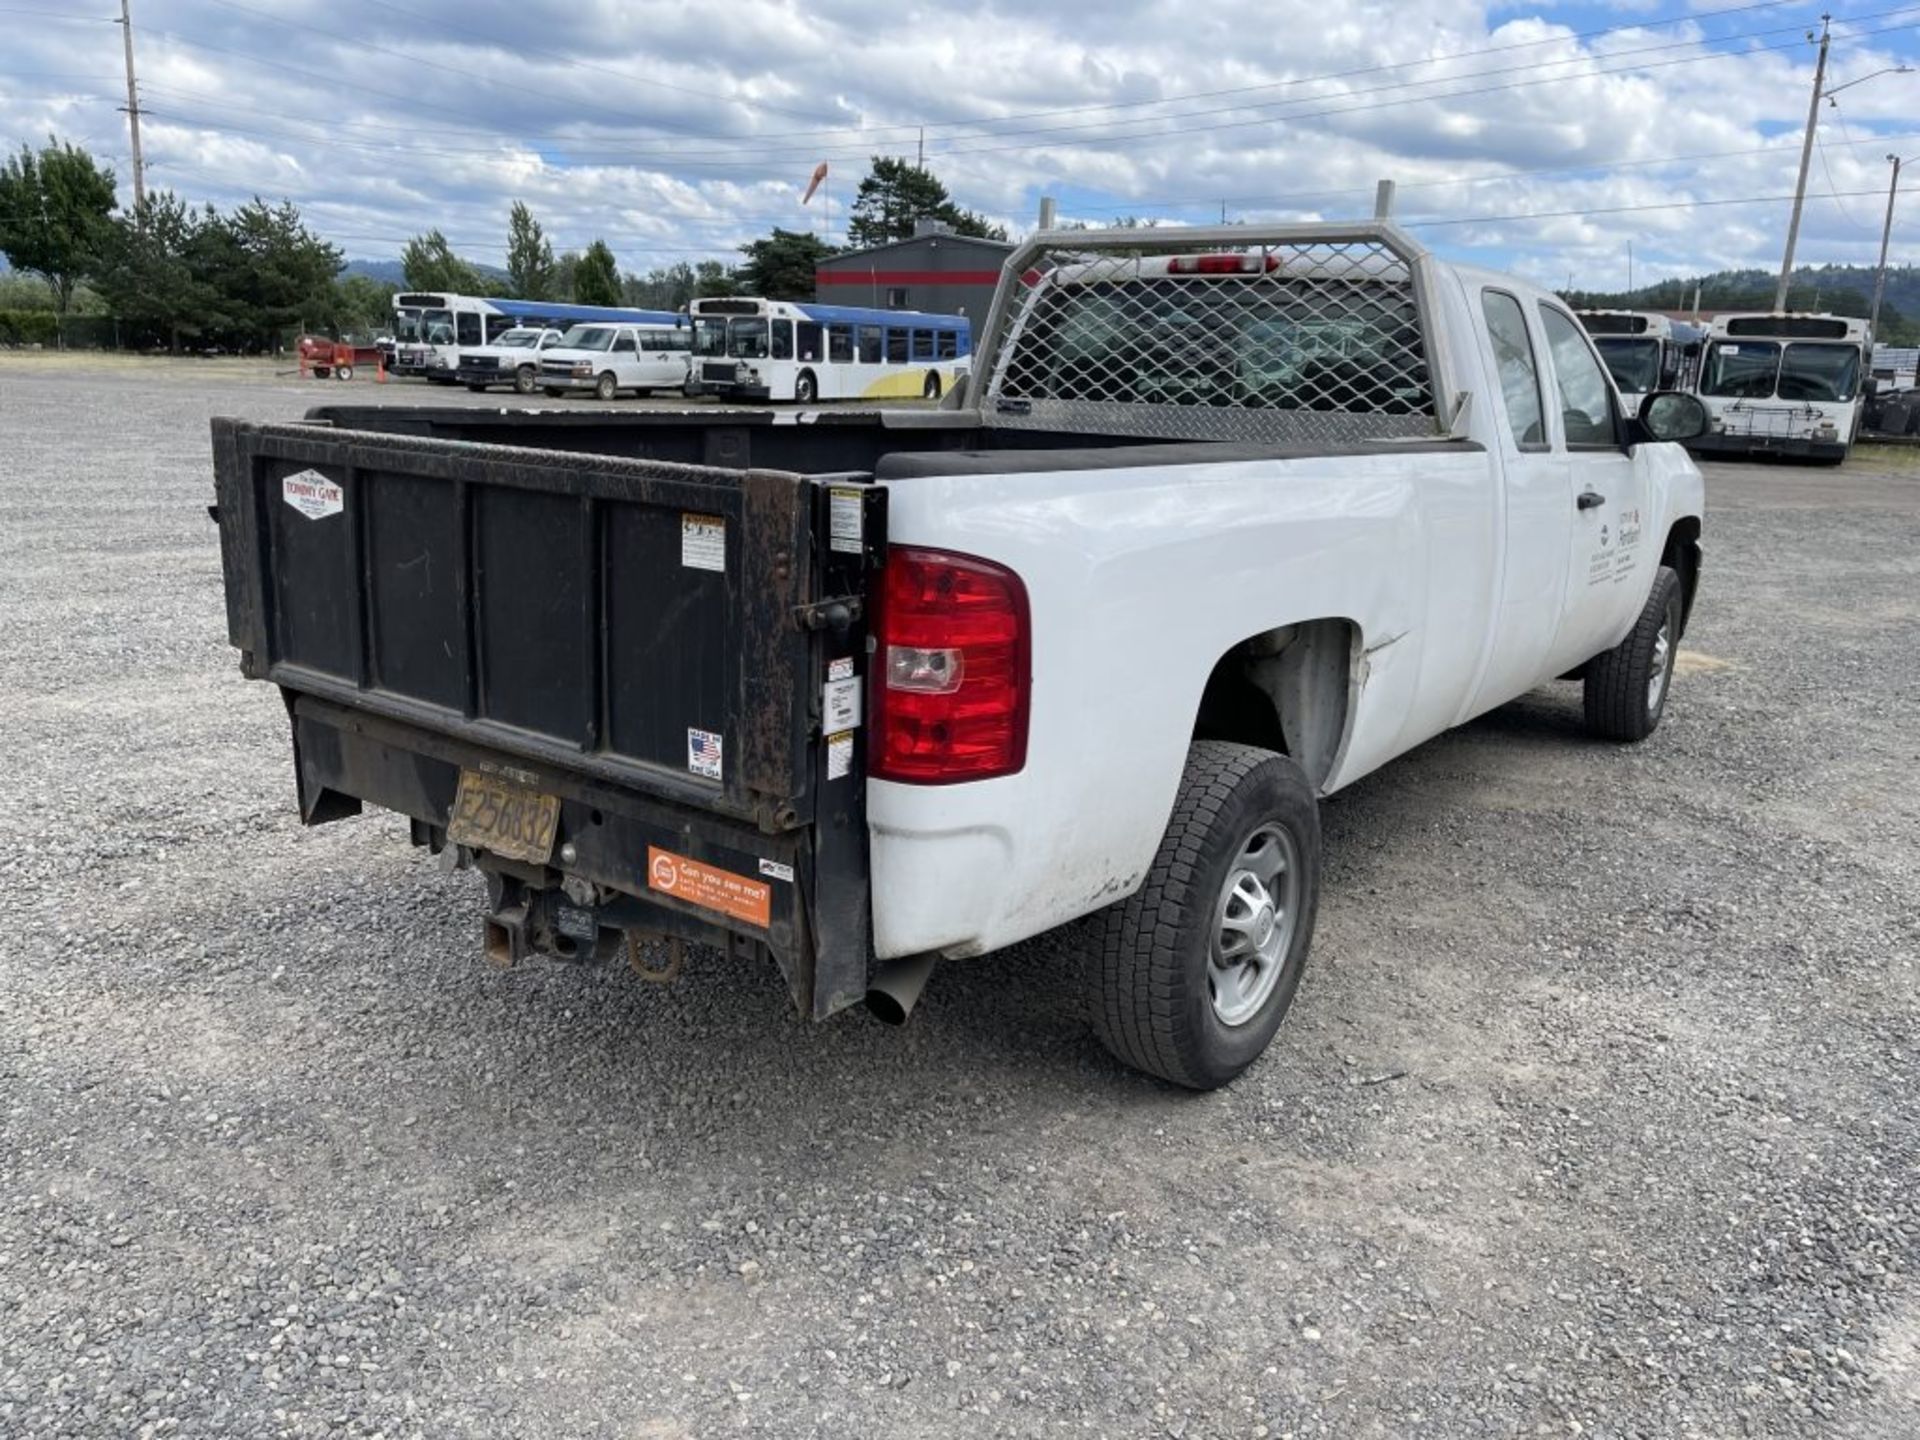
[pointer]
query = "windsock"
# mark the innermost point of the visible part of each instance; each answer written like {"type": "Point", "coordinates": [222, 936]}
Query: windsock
{"type": "Point", "coordinates": [819, 179]}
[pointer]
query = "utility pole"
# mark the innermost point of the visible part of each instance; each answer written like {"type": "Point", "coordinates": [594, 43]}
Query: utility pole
{"type": "Point", "coordinates": [133, 109]}
{"type": "Point", "coordinates": [1806, 159]}
{"type": "Point", "coordinates": [1629, 272]}
{"type": "Point", "coordinates": [920, 154]}
{"type": "Point", "coordinates": [1886, 234]}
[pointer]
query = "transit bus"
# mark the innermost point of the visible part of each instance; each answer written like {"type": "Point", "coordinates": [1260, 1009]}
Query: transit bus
{"type": "Point", "coordinates": [753, 349]}
{"type": "Point", "coordinates": [1643, 351]}
{"type": "Point", "coordinates": [429, 329]}
{"type": "Point", "coordinates": [1783, 384]}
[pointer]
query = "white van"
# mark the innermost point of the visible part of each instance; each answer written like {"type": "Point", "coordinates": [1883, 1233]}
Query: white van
{"type": "Point", "coordinates": [607, 359]}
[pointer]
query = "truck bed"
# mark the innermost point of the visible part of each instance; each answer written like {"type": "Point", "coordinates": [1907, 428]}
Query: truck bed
{"type": "Point", "coordinates": [876, 444]}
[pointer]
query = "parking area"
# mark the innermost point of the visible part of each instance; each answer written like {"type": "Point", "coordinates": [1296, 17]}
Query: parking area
{"type": "Point", "coordinates": [1596, 1115]}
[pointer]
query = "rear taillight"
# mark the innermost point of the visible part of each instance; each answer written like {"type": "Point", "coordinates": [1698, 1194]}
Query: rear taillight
{"type": "Point", "coordinates": [950, 698]}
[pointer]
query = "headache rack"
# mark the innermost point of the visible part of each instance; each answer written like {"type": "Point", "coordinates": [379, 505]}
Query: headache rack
{"type": "Point", "coordinates": [1289, 334]}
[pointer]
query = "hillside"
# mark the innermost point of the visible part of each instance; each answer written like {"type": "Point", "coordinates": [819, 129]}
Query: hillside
{"type": "Point", "coordinates": [1841, 289]}
{"type": "Point", "coordinates": [390, 272]}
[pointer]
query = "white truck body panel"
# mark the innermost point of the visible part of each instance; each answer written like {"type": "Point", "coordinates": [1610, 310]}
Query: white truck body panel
{"type": "Point", "coordinates": [1467, 576]}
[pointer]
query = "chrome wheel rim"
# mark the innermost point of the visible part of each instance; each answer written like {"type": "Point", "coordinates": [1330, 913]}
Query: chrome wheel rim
{"type": "Point", "coordinates": [1253, 924]}
{"type": "Point", "coordinates": [1662, 663]}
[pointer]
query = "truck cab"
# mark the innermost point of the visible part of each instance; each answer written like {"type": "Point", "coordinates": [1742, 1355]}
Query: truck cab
{"type": "Point", "coordinates": [513, 359]}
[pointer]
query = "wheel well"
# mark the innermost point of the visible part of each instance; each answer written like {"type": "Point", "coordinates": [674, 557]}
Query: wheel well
{"type": "Point", "coordinates": [1285, 689]}
{"type": "Point", "coordinates": [1682, 552]}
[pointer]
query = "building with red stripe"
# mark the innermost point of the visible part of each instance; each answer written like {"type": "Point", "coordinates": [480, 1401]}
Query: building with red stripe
{"type": "Point", "coordinates": [935, 271]}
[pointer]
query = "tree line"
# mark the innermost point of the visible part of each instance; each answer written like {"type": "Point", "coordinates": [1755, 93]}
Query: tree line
{"type": "Point", "coordinates": [176, 276]}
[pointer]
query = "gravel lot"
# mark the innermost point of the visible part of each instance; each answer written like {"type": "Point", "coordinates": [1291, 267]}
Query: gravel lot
{"type": "Point", "coordinates": [1596, 1114]}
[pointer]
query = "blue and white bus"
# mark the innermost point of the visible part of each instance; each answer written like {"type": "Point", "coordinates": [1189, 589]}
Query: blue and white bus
{"type": "Point", "coordinates": [429, 329]}
{"type": "Point", "coordinates": [751, 349]}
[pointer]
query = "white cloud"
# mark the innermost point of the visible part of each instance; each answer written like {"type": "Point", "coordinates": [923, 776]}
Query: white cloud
{"type": "Point", "coordinates": [677, 131]}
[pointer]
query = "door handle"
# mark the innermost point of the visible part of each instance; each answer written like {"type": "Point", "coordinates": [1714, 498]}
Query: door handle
{"type": "Point", "coordinates": [1590, 498]}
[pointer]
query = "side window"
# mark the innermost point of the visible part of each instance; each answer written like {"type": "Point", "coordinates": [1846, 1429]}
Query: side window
{"type": "Point", "coordinates": [949, 344]}
{"type": "Point", "coordinates": [870, 344]}
{"type": "Point", "coordinates": [810, 332]}
{"type": "Point", "coordinates": [896, 347]}
{"type": "Point", "coordinates": [498, 325]}
{"type": "Point", "coordinates": [783, 340]}
{"type": "Point", "coordinates": [624, 344]}
{"type": "Point", "coordinates": [840, 344]}
{"type": "Point", "coordinates": [1519, 374]}
{"type": "Point", "coordinates": [469, 327]}
{"type": "Point", "coordinates": [923, 345]}
{"type": "Point", "coordinates": [1586, 396]}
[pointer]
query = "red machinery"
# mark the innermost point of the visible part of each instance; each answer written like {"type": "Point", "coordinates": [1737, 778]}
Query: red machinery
{"type": "Point", "coordinates": [323, 357]}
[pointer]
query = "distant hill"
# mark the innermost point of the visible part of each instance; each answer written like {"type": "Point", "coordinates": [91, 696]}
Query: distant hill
{"type": "Point", "coordinates": [1841, 289]}
{"type": "Point", "coordinates": [391, 272]}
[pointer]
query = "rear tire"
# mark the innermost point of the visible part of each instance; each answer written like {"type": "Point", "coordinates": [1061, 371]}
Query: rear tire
{"type": "Point", "coordinates": [523, 382]}
{"type": "Point", "coordinates": [931, 390]}
{"type": "Point", "coordinates": [344, 372]}
{"type": "Point", "coordinates": [806, 389]}
{"type": "Point", "coordinates": [321, 372]}
{"type": "Point", "coordinates": [607, 386]}
{"type": "Point", "coordinates": [1627, 686]}
{"type": "Point", "coordinates": [1191, 976]}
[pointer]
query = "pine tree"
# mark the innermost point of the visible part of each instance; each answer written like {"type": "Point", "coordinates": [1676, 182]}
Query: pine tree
{"type": "Point", "coordinates": [530, 269]}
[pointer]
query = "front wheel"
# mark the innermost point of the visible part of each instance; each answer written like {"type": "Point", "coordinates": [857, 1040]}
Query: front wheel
{"type": "Point", "coordinates": [321, 372]}
{"type": "Point", "coordinates": [1627, 686]}
{"type": "Point", "coordinates": [523, 381]}
{"type": "Point", "coordinates": [343, 372]}
{"type": "Point", "coordinates": [607, 386]}
{"type": "Point", "coordinates": [931, 390]}
{"type": "Point", "coordinates": [806, 389]}
{"type": "Point", "coordinates": [1193, 973]}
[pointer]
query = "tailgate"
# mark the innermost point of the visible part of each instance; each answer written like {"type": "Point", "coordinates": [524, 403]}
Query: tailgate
{"type": "Point", "coordinates": [644, 632]}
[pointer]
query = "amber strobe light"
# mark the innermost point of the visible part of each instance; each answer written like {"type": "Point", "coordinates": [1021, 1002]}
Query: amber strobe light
{"type": "Point", "coordinates": [951, 702]}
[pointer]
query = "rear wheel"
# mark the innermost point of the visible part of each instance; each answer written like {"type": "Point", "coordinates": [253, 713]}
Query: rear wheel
{"type": "Point", "coordinates": [523, 381]}
{"type": "Point", "coordinates": [931, 390]}
{"type": "Point", "coordinates": [343, 372]}
{"type": "Point", "coordinates": [321, 372]}
{"type": "Point", "coordinates": [1193, 973]}
{"type": "Point", "coordinates": [806, 389]}
{"type": "Point", "coordinates": [607, 386]}
{"type": "Point", "coordinates": [1627, 686]}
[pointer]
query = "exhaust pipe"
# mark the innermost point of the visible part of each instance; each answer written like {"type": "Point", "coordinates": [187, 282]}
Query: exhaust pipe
{"type": "Point", "coordinates": [896, 986]}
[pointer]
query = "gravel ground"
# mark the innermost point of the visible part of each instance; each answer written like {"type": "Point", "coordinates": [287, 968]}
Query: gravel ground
{"type": "Point", "coordinates": [1596, 1114]}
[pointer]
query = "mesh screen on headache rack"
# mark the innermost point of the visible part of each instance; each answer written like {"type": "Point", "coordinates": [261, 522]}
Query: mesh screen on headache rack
{"type": "Point", "coordinates": [1313, 341]}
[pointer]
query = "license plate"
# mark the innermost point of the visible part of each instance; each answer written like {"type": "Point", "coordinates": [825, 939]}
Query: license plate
{"type": "Point", "coordinates": [509, 819]}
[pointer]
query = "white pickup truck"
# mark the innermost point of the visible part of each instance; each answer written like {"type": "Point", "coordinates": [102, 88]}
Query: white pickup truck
{"type": "Point", "coordinates": [607, 359]}
{"type": "Point", "coordinates": [512, 359]}
{"type": "Point", "coordinates": [1216, 532]}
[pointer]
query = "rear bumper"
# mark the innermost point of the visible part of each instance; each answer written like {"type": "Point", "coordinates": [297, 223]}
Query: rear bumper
{"type": "Point", "coordinates": [728, 392]}
{"type": "Point", "coordinates": [1796, 446]}
{"type": "Point", "coordinates": [606, 835]}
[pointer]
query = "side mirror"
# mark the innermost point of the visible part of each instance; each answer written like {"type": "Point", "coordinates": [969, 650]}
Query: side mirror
{"type": "Point", "coordinates": [1672, 415]}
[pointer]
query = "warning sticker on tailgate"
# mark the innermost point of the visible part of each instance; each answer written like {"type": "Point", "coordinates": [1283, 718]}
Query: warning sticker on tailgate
{"type": "Point", "coordinates": [709, 887]}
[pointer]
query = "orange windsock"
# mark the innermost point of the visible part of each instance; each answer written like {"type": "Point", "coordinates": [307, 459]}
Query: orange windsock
{"type": "Point", "coordinates": [819, 179]}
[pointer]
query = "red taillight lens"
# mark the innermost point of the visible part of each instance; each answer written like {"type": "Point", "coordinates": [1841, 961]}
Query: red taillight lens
{"type": "Point", "coordinates": [951, 699]}
{"type": "Point", "coordinates": [1222, 264]}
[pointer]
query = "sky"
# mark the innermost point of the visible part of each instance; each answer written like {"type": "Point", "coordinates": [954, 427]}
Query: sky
{"type": "Point", "coordinates": [1552, 139]}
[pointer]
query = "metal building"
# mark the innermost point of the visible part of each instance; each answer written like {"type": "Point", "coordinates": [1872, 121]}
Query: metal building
{"type": "Point", "coordinates": [936, 271]}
